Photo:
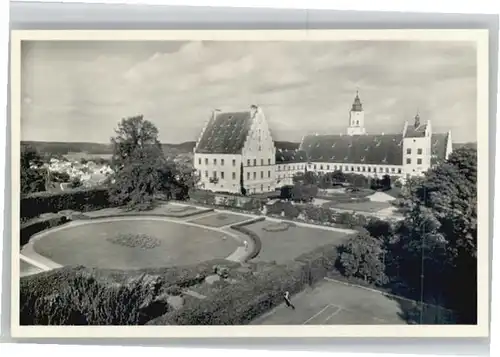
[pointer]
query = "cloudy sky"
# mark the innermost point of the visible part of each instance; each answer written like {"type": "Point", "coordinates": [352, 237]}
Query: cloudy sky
{"type": "Point", "coordinates": [78, 91]}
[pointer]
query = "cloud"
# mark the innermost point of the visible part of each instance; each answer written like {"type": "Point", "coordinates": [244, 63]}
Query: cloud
{"type": "Point", "coordinates": [302, 87]}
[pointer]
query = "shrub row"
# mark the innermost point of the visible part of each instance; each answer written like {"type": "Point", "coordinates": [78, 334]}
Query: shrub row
{"type": "Point", "coordinates": [35, 226]}
{"type": "Point", "coordinates": [240, 303]}
{"type": "Point", "coordinates": [250, 204]}
{"type": "Point", "coordinates": [84, 296]}
{"type": "Point", "coordinates": [81, 199]}
{"type": "Point", "coordinates": [315, 214]}
{"type": "Point", "coordinates": [257, 243]}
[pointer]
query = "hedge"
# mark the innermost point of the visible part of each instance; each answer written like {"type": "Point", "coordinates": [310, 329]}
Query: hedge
{"type": "Point", "coordinates": [81, 199]}
{"type": "Point", "coordinates": [257, 243]}
{"type": "Point", "coordinates": [85, 296]}
{"type": "Point", "coordinates": [37, 225]}
{"type": "Point", "coordinates": [240, 303]}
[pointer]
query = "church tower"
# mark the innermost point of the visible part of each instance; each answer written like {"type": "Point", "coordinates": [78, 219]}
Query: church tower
{"type": "Point", "coordinates": [356, 118]}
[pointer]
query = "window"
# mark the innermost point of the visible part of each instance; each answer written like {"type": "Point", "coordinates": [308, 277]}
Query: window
{"type": "Point", "coordinates": [199, 161]}
{"type": "Point", "coordinates": [199, 173]}
{"type": "Point", "coordinates": [408, 151]}
{"type": "Point", "coordinates": [261, 188]}
{"type": "Point", "coordinates": [364, 168]}
{"type": "Point", "coordinates": [215, 174]}
{"type": "Point", "coordinates": [381, 169]}
{"type": "Point", "coordinates": [315, 166]}
{"type": "Point", "coordinates": [419, 161]}
{"type": "Point", "coordinates": [269, 161]}
{"type": "Point", "coordinates": [387, 170]}
{"type": "Point", "coordinates": [206, 161]}
{"type": "Point", "coordinates": [335, 167]}
{"type": "Point", "coordinates": [328, 167]}
{"type": "Point", "coordinates": [279, 168]}
{"type": "Point", "coordinates": [369, 169]}
{"type": "Point", "coordinates": [352, 168]}
{"type": "Point", "coordinates": [254, 190]}
{"type": "Point", "coordinates": [234, 175]}
{"type": "Point", "coordinates": [222, 162]}
{"type": "Point", "coordinates": [222, 175]}
{"type": "Point", "coordinates": [260, 147]}
{"type": "Point", "coordinates": [346, 168]}
{"type": "Point", "coordinates": [254, 175]}
{"type": "Point", "coordinates": [261, 162]}
{"type": "Point", "coordinates": [408, 161]}
{"type": "Point", "coordinates": [358, 168]}
{"type": "Point", "coordinates": [254, 162]}
{"type": "Point", "coordinates": [268, 188]}
{"type": "Point", "coordinates": [392, 170]}
{"type": "Point", "coordinates": [321, 167]}
{"type": "Point", "coordinates": [399, 171]}
{"type": "Point", "coordinates": [419, 151]}
{"type": "Point", "coordinates": [288, 168]}
{"type": "Point", "coordinates": [248, 175]}
{"type": "Point", "coordinates": [206, 173]}
{"type": "Point", "coordinates": [248, 162]}
{"type": "Point", "coordinates": [215, 161]}
{"type": "Point", "coordinates": [268, 174]}
{"type": "Point", "coordinates": [234, 162]}
{"type": "Point", "coordinates": [357, 122]}
{"type": "Point", "coordinates": [262, 174]}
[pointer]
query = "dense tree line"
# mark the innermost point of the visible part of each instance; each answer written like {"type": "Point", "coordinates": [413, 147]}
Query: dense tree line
{"type": "Point", "coordinates": [433, 251]}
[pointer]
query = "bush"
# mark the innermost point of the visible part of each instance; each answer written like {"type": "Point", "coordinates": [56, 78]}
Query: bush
{"type": "Point", "coordinates": [83, 200]}
{"type": "Point", "coordinates": [83, 296]}
{"type": "Point", "coordinates": [239, 304]}
{"type": "Point", "coordinates": [35, 226]}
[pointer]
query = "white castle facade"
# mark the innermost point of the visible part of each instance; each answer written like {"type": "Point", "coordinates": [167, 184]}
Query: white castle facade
{"type": "Point", "coordinates": [236, 149]}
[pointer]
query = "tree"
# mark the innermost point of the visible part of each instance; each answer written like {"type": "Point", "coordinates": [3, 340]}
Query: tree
{"type": "Point", "coordinates": [362, 256]}
{"type": "Point", "coordinates": [242, 184]}
{"type": "Point", "coordinates": [33, 176]}
{"type": "Point", "coordinates": [76, 182]}
{"type": "Point", "coordinates": [440, 231]}
{"type": "Point", "coordinates": [139, 164]}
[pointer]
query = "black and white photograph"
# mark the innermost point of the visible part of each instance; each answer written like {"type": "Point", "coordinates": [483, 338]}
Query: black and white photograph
{"type": "Point", "coordinates": [257, 181]}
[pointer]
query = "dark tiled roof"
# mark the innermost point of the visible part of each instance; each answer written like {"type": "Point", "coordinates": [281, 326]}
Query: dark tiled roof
{"type": "Point", "coordinates": [290, 156]}
{"type": "Point", "coordinates": [358, 149]}
{"type": "Point", "coordinates": [225, 134]}
{"type": "Point", "coordinates": [438, 147]}
{"type": "Point", "coordinates": [418, 132]}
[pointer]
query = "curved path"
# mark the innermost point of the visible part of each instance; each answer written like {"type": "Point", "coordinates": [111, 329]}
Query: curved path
{"type": "Point", "coordinates": [29, 255]}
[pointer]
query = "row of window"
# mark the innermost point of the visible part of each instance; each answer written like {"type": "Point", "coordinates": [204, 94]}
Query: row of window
{"type": "Point", "coordinates": [419, 161]}
{"type": "Point", "coordinates": [419, 151]}
{"type": "Point", "coordinates": [293, 167]}
{"type": "Point", "coordinates": [233, 175]}
{"type": "Point", "coordinates": [234, 162]}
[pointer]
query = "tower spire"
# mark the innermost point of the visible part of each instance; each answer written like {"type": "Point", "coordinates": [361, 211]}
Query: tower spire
{"type": "Point", "coordinates": [417, 119]}
{"type": "Point", "coordinates": [357, 106]}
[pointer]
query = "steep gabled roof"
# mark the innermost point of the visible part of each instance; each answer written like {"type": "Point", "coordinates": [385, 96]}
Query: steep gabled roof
{"type": "Point", "coordinates": [225, 133]}
{"type": "Point", "coordinates": [438, 147]}
{"type": "Point", "coordinates": [290, 156]}
{"type": "Point", "coordinates": [357, 149]}
{"type": "Point", "coordinates": [415, 132]}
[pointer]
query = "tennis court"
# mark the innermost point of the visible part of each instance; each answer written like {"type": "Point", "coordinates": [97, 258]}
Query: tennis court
{"type": "Point", "coordinates": [336, 303]}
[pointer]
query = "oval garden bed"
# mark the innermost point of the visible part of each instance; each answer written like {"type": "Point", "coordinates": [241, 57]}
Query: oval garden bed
{"type": "Point", "coordinates": [131, 243]}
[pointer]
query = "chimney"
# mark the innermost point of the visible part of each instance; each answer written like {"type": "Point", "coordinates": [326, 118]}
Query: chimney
{"type": "Point", "coordinates": [215, 112]}
{"type": "Point", "coordinates": [253, 109]}
{"type": "Point", "coordinates": [417, 120]}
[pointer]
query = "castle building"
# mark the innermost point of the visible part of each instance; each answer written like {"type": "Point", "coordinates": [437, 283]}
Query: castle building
{"type": "Point", "coordinates": [235, 149]}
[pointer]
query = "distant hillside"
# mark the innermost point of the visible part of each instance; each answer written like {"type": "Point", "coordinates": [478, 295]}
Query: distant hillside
{"type": "Point", "coordinates": [460, 145]}
{"type": "Point", "coordinates": [64, 148]}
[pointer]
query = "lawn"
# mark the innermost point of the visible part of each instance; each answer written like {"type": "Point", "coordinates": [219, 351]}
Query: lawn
{"type": "Point", "coordinates": [334, 303]}
{"type": "Point", "coordinates": [111, 244]}
{"type": "Point", "coordinates": [220, 219]}
{"type": "Point", "coordinates": [282, 242]}
{"type": "Point", "coordinates": [369, 206]}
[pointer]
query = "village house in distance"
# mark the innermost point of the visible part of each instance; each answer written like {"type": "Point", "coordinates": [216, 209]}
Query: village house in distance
{"type": "Point", "coordinates": [236, 149]}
